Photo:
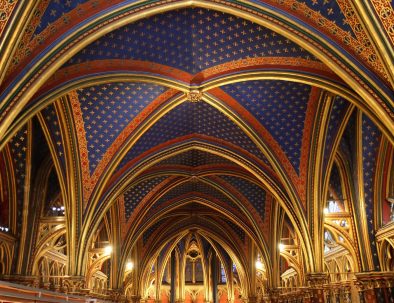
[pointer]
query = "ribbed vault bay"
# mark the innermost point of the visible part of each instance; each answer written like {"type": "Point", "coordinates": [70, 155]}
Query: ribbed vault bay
{"type": "Point", "coordinates": [196, 151]}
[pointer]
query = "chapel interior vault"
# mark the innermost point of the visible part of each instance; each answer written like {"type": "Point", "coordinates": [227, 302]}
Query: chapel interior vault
{"type": "Point", "coordinates": [197, 151]}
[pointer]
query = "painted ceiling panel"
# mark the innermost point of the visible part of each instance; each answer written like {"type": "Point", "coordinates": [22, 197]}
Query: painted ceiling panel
{"type": "Point", "coordinates": [163, 254]}
{"type": "Point", "coordinates": [371, 137]}
{"type": "Point", "coordinates": [51, 10]}
{"type": "Point", "coordinates": [5, 196]}
{"type": "Point", "coordinates": [330, 9]}
{"type": "Point", "coordinates": [52, 123]}
{"type": "Point", "coordinates": [348, 142]}
{"type": "Point", "coordinates": [182, 245]}
{"type": "Point", "coordinates": [223, 252]}
{"type": "Point", "coordinates": [195, 158]}
{"type": "Point", "coordinates": [337, 115]}
{"type": "Point", "coordinates": [134, 195]}
{"type": "Point", "coordinates": [146, 235]}
{"type": "Point", "coordinates": [192, 118]}
{"type": "Point", "coordinates": [335, 182]}
{"type": "Point", "coordinates": [280, 106]}
{"type": "Point", "coordinates": [193, 186]}
{"type": "Point", "coordinates": [192, 40]}
{"type": "Point", "coordinates": [108, 108]}
{"type": "Point", "coordinates": [19, 148]}
{"type": "Point", "coordinates": [40, 150]}
{"type": "Point", "coordinates": [252, 192]}
{"type": "Point", "coordinates": [206, 246]}
{"type": "Point", "coordinates": [238, 230]}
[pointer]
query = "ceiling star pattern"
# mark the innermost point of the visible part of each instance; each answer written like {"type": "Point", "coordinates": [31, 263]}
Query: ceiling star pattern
{"type": "Point", "coordinates": [370, 144]}
{"type": "Point", "coordinates": [211, 131]}
{"type": "Point", "coordinates": [108, 108]}
{"type": "Point", "coordinates": [331, 10]}
{"type": "Point", "coordinates": [252, 192]}
{"type": "Point", "coordinates": [19, 148]}
{"type": "Point", "coordinates": [280, 106]}
{"type": "Point", "coordinates": [335, 182]}
{"type": "Point", "coordinates": [194, 186]}
{"type": "Point", "coordinates": [53, 10]}
{"type": "Point", "coordinates": [52, 123]}
{"type": "Point", "coordinates": [146, 235]}
{"type": "Point", "coordinates": [237, 230]}
{"type": "Point", "coordinates": [206, 246]}
{"type": "Point", "coordinates": [192, 40]}
{"type": "Point", "coordinates": [193, 118]}
{"type": "Point", "coordinates": [337, 115]}
{"type": "Point", "coordinates": [223, 253]}
{"type": "Point", "coordinates": [347, 144]}
{"type": "Point", "coordinates": [6, 193]}
{"type": "Point", "coordinates": [163, 253]}
{"type": "Point", "coordinates": [181, 245]}
{"type": "Point", "coordinates": [134, 195]}
{"type": "Point", "coordinates": [195, 158]}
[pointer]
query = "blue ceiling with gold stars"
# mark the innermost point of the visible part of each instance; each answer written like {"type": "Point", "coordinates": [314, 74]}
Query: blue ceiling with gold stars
{"type": "Point", "coordinates": [52, 123]}
{"type": "Point", "coordinates": [108, 108]}
{"type": "Point", "coordinates": [55, 9]}
{"type": "Point", "coordinates": [195, 158]}
{"type": "Point", "coordinates": [330, 9]}
{"type": "Point", "coordinates": [280, 106]}
{"type": "Point", "coordinates": [337, 114]}
{"type": "Point", "coordinates": [19, 149]}
{"type": "Point", "coordinates": [191, 118]}
{"type": "Point", "coordinates": [192, 40]}
{"type": "Point", "coordinates": [101, 130]}
{"type": "Point", "coordinates": [196, 186]}
{"type": "Point", "coordinates": [348, 144]}
{"type": "Point", "coordinates": [146, 235]}
{"type": "Point", "coordinates": [236, 229]}
{"type": "Point", "coordinates": [252, 192]}
{"type": "Point", "coordinates": [335, 183]}
{"type": "Point", "coordinates": [371, 137]}
{"type": "Point", "coordinates": [134, 195]}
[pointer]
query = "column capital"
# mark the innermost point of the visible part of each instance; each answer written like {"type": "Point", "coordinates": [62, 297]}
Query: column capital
{"type": "Point", "coordinates": [317, 279]}
{"type": "Point", "coordinates": [370, 280]}
{"type": "Point", "coordinates": [252, 299]}
{"type": "Point", "coordinates": [135, 298]}
{"type": "Point", "coordinates": [73, 284]}
{"type": "Point", "coordinates": [306, 292]}
{"type": "Point", "coordinates": [272, 295]}
{"type": "Point", "coordinates": [116, 295]}
{"type": "Point", "coordinates": [31, 281]}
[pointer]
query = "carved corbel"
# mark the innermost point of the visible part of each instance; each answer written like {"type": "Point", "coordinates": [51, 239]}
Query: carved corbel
{"type": "Point", "coordinates": [73, 285]}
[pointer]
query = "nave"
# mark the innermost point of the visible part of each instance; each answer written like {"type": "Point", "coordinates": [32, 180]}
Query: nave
{"type": "Point", "coordinates": [216, 151]}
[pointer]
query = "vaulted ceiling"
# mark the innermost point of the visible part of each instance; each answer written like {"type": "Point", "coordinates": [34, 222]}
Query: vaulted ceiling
{"type": "Point", "coordinates": [222, 108]}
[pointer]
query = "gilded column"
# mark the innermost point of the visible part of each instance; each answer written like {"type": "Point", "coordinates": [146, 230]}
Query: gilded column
{"type": "Point", "coordinates": [214, 272]}
{"type": "Point", "coordinates": [173, 277]}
